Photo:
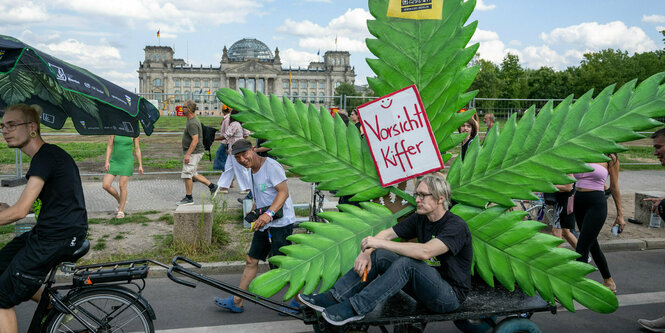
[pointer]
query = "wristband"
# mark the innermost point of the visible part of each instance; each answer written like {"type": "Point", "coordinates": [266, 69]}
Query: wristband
{"type": "Point", "coordinates": [270, 213]}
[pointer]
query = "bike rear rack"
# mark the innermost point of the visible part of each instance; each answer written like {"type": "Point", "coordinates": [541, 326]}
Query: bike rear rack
{"type": "Point", "coordinates": [110, 272]}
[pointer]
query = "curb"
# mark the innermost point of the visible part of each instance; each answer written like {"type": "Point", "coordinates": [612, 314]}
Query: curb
{"type": "Point", "coordinates": [236, 267]}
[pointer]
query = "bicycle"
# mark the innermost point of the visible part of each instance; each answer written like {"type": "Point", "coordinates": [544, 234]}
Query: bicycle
{"type": "Point", "coordinates": [538, 210]}
{"type": "Point", "coordinates": [101, 298]}
{"type": "Point", "coordinates": [316, 204]}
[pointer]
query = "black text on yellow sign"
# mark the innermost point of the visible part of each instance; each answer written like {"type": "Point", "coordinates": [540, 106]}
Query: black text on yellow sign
{"type": "Point", "coordinates": [415, 9]}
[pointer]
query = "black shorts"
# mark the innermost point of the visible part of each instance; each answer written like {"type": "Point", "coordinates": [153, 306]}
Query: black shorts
{"type": "Point", "coordinates": [268, 242]}
{"type": "Point", "coordinates": [25, 262]}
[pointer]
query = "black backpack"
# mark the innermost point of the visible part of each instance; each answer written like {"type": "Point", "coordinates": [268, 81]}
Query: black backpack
{"type": "Point", "coordinates": [208, 138]}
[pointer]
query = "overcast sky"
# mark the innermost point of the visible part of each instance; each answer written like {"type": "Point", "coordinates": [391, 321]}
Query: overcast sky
{"type": "Point", "coordinates": [108, 37]}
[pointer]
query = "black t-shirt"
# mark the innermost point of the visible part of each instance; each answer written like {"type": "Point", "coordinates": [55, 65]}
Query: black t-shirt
{"type": "Point", "coordinates": [63, 213]}
{"type": "Point", "coordinates": [454, 265]}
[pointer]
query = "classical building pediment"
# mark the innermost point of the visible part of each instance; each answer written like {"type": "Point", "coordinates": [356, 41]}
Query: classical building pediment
{"type": "Point", "coordinates": [251, 67]}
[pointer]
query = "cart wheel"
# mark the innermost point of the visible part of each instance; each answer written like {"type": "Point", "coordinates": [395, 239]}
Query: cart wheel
{"type": "Point", "coordinates": [514, 325]}
{"type": "Point", "coordinates": [475, 325]}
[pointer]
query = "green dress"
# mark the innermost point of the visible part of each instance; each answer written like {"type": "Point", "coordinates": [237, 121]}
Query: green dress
{"type": "Point", "coordinates": [122, 156]}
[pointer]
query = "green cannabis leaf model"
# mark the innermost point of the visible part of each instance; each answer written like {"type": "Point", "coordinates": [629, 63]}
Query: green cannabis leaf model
{"type": "Point", "coordinates": [530, 154]}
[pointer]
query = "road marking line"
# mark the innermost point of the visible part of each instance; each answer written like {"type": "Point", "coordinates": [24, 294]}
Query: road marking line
{"type": "Point", "coordinates": [298, 326]}
{"type": "Point", "coordinates": [270, 326]}
{"type": "Point", "coordinates": [629, 300]}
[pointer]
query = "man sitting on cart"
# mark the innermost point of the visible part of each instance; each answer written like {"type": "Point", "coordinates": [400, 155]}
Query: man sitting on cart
{"type": "Point", "coordinates": [62, 223]}
{"type": "Point", "coordinates": [436, 271]}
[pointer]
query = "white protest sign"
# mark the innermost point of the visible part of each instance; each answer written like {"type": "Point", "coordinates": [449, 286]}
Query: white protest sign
{"type": "Point", "coordinates": [399, 136]}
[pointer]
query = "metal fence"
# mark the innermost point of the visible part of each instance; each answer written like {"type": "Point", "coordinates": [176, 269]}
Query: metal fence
{"type": "Point", "coordinates": [504, 108]}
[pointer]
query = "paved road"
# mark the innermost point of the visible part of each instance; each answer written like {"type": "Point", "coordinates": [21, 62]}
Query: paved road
{"type": "Point", "coordinates": [179, 309]}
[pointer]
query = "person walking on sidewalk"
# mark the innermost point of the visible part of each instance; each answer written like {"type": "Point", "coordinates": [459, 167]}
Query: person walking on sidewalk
{"type": "Point", "coordinates": [120, 162]}
{"type": "Point", "coordinates": [435, 271]}
{"type": "Point", "coordinates": [62, 223]}
{"type": "Point", "coordinates": [192, 147]}
{"type": "Point", "coordinates": [270, 190]}
{"type": "Point", "coordinates": [658, 324]}
{"type": "Point", "coordinates": [233, 168]}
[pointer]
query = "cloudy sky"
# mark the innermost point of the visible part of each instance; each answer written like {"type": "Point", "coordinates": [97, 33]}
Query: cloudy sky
{"type": "Point", "coordinates": [108, 37]}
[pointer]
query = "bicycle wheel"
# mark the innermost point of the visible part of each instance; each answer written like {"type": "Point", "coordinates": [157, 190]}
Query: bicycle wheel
{"type": "Point", "coordinates": [105, 310]}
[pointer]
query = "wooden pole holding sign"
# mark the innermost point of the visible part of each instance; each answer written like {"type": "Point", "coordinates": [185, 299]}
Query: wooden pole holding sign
{"type": "Point", "coordinates": [399, 136]}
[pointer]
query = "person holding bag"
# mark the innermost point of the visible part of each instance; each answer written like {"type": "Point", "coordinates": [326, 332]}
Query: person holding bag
{"type": "Point", "coordinates": [271, 194]}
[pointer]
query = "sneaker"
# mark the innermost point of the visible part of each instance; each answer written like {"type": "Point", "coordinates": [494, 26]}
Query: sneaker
{"type": "Point", "coordinates": [318, 302]}
{"type": "Point", "coordinates": [656, 325]}
{"type": "Point", "coordinates": [241, 200]}
{"type": "Point", "coordinates": [244, 192]}
{"type": "Point", "coordinates": [291, 308]}
{"type": "Point", "coordinates": [185, 201]}
{"type": "Point", "coordinates": [214, 190]}
{"type": "Point", "coordinates": [340, 314]}
{"type": "Point", "coordinates": [223, 190]}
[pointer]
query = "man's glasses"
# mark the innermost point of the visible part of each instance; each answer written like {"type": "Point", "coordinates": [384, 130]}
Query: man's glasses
{"type": "Point", "coordinates": [11, 126]}
{"type": "Point", "coordinates": [422, 196]}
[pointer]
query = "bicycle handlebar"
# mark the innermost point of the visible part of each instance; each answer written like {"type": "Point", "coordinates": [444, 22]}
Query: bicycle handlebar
{"type": "Point", "coordinates": [175, 265]}
{"type": "Point", "coordinates": [185, 259]}
{"type": "Point", "coordinates": [177, 280]}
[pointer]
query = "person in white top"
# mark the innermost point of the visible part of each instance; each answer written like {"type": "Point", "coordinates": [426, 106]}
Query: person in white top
{"type": "Point", "coordinates": [221, 155]}
{"type": "Point", "coordinates": [270, 190]}
{"type": "Point", "coordinates": [232, 168]}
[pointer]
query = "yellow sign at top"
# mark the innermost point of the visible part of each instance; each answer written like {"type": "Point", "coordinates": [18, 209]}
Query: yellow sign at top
{"type": "Point", "coordinates": [416, 9]}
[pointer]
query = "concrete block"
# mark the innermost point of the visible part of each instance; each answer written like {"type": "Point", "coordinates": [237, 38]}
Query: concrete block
{"type": "Point", "coordinates": [13, 182]}
{"type": "Point", "coordinates": [655, 243]}
{"type": "Point", "coordinates": [192, 224]}
{"type": "Point", "coordinates": [643, 208]}
{"type": "Point", "coordinates": [623, 245]}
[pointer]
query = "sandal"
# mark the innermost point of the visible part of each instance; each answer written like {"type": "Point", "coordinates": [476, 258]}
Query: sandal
{"type": "Point", "coordinates": [120, 215]}
{"type": "Point", "coordinates": [609, 283]}
{"type": "Point", "coordinates": [227, 304]}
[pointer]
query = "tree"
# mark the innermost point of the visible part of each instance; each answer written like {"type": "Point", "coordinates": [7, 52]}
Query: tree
{"type": "Point", "coordinates": [600, 69]}
{"type": "Point", "coordinates": [513, 77]}
{"type": "Point", "coordinates": [488, 84]}
{"type": "Point", "coordinates": [346, 89]}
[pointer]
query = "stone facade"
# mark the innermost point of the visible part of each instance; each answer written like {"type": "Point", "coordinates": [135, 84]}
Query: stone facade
{"type": "Point", "coordinates": [248, 63]}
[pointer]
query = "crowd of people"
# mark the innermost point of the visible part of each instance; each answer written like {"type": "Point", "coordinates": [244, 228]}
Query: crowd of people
{"type": "Point", "coordinates": [435, 269]}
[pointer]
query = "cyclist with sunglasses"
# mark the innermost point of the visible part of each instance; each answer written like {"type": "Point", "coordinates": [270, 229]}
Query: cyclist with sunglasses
{"type": "Point", "coordinates": [62, 224]}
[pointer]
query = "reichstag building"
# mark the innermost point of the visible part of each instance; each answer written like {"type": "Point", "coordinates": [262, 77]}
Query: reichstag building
{"type": "Point", "coordinates": [248, 63]}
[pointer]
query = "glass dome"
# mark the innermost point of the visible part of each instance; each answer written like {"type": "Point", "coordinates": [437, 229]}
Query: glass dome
{"type": "Point", "coordinates": [249, 48]}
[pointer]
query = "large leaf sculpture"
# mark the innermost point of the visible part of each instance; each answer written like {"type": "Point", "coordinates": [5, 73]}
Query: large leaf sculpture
{"type": "Point", "coordinates": [433, 55]}
{"type": "Point", "coordinates": [328, 252]}
{"type": "Point", "coordinates": [514, 251]}
{"type": "Point", "coordinates": [317, 146]}
{"type": "Point", "coordinates": [527, 155]}
{"type": "Point", "coordinates": [538, 151]}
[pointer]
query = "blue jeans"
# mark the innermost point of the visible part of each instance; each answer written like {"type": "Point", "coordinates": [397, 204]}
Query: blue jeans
{"type": "Point", "coordinates": [391, 273]}
{"type": "Point", "coordinates": [220, 158]}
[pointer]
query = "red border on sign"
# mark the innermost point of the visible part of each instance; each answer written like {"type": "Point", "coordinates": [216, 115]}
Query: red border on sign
{"type": "Point", "coordinates": [429, 129]}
